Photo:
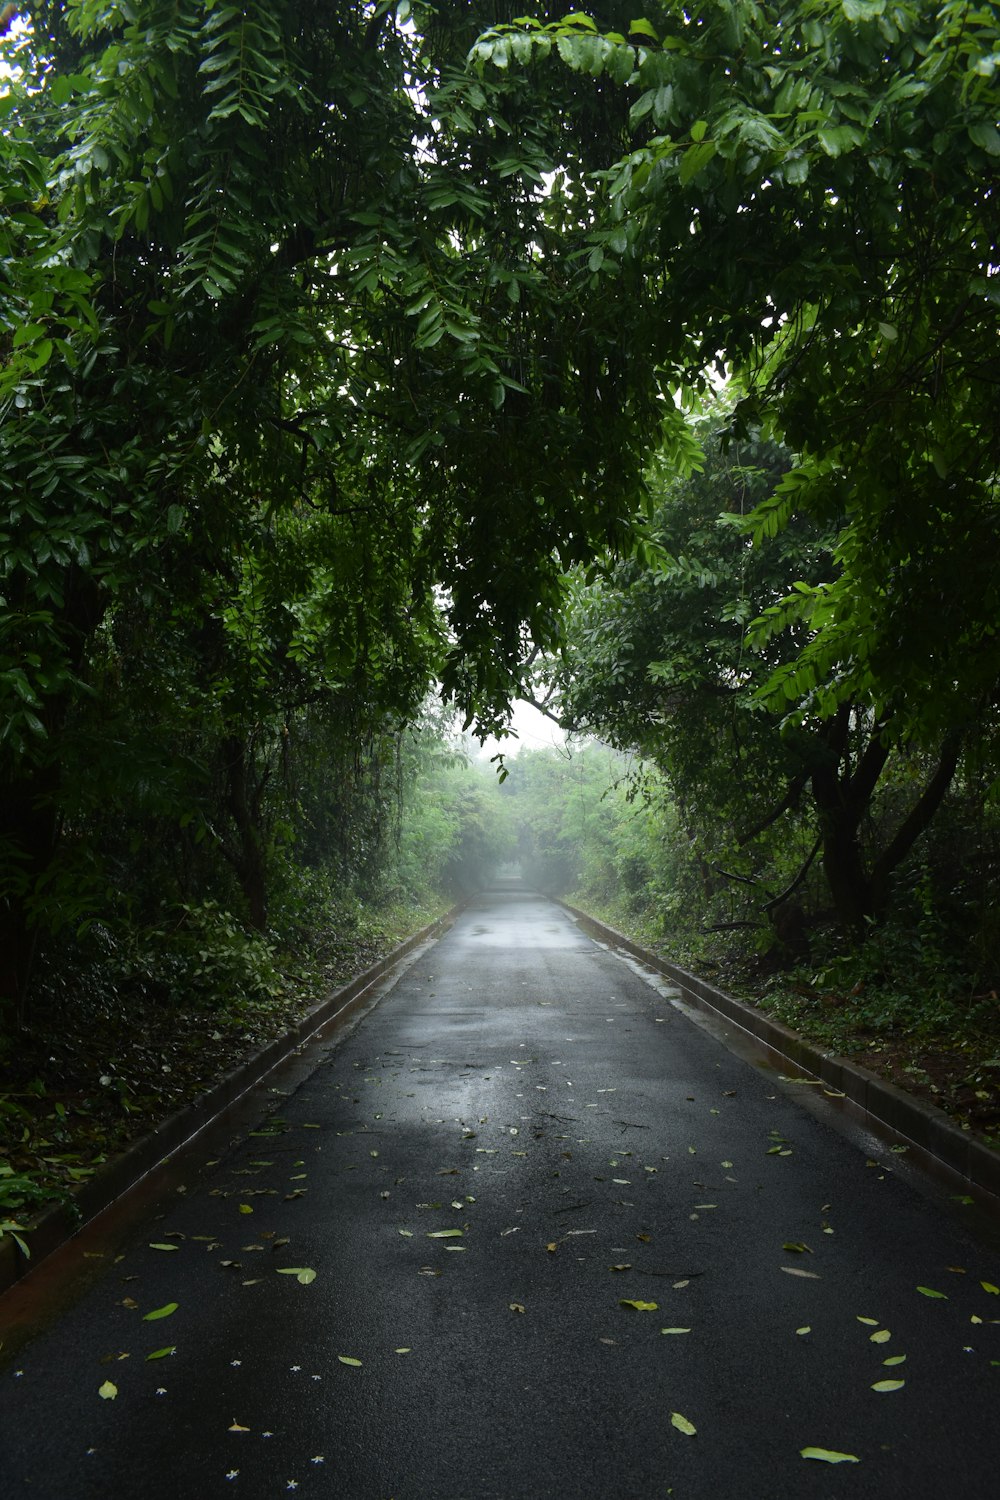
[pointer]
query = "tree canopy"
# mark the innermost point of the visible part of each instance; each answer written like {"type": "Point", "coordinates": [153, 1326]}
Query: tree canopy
{"type": "Point", "coordinates": [336, 336]}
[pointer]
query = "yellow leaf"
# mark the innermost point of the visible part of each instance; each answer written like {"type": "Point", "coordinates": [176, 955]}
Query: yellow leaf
{"type": "Point", "coordinates": [682, 1424]}
{"type": "Point", "coordinates": [237, 1428]}
{"type": "Point", "coordinates": [639, 1306]}
{"type": "Point", "coordinates": [517, 1307]}
{"type": "Point", "coordinates": [829, 1455]}
{"type": "Point", "coordinates": [988, 1286]}
{"type": "Point", "coordinates": [245, 1208]}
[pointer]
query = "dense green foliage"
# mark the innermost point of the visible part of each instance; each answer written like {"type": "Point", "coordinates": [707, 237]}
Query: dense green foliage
{"type": "Point", "coordinates": [809, 204]}
{"type": "Point", "coordinates": [341, 344]}
{"type": "Point", "coordinates": [295, 420]}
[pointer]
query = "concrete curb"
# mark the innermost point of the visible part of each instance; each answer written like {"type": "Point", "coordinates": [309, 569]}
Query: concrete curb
{"type": "Point", "coordinates": [61, 1223]}
{"type": "Point", "coordinates": [882, 1103]}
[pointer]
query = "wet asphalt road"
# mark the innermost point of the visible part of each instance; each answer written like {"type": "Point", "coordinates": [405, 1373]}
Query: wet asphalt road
{"type": "Point", "coordinates": [523, 1135]}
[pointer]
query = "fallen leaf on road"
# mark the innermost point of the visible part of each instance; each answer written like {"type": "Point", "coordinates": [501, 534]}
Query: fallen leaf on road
{"type": "Point", "coordinates": [806, 1329]}
{"type": "Point", "coordinates": [881, 1337]}
{"type": "Point", "coordinates": [517, 1307]}
{"type": "Point", "coordinates": [872, 1322]}
{"type": "Point", "coordinates": [161, 1353]}
{"type": "Point", "coordinates": [682, 1424]}
{"type": "Point", "coordinates": [895, 1359]}
{"type": "Point", "coordinates": [829, 1455]}
{"type": "Point", "coordinates": [638, 1306]}
{"type": "Point", "coordinates": [928, 1291]}
{"type": "Point", "coordinates": [304, 1274]}
{"type": "Point", "coordinates": [798, 1271]}
{"type": "Point", "coordinates": [163, 1247]}
{"type": "Point", "coordinates": [888, 1385]}
{"type": "Point", "coordinates": [160, 1312]}
{"type": "Point", "coordinates": [345, 1359]}
{"type": "Point", "coordinates": [108, 1391]}
{"type": "Point", "coordinates": [988, 1286]}
{"type": "Point", "coordinates": [675, 1330]}
{"type": "Point", "coordinates": [237, 1428]}
{"type": "Point", "coordinates": [798, 1247]}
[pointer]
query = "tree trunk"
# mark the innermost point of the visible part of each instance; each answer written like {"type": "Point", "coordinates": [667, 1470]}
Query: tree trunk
{"type": "Point", "coordinates": [243, 799]}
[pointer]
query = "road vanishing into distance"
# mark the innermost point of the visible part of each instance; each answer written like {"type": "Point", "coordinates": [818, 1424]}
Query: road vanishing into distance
{"type": "Point", "coordinates": [526, 1232]}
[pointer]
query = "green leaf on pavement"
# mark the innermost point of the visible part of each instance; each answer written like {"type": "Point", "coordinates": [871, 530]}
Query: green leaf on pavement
{"type": "Point", "coordinates": [160, 1312]}
{"type": "Point", "coordinates": [829, 1455]}
{"type": "Point", "coordinates": [675, 1330]}
{"type": "Point", "coordinates": [161, 1353]}
{"type": "Point", "coordinates": [108, 1391]}
{"type": "Point", "coordinates": [163, 1247]}
{"type": "Point", "coordinates": [888, 1385]}
{"type": "Point", "coordinates": [345, 1359]}
{"type": "Point", "coordinates": [988, 1286]}
{"type": "Point", "coordinates": [682, 1424]}
{"type": "Point", "coordinates": [639, 1306]}
{"type": "Point", "coordinates": [444, 1234]}
{"type": "Point", "coordinates": [881, 1337]}
{"type": "Point", "coordinates": [928, 1291]}
{"type": "Point", "coordinates": [305, 1274]}
{"type": "Point", "coordinates": [895, 1359]}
